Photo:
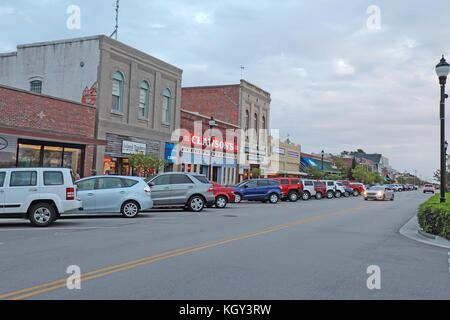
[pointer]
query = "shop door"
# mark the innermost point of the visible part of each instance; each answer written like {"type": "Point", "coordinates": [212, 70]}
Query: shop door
{"type": "Point", "coordinates": [215, 174]}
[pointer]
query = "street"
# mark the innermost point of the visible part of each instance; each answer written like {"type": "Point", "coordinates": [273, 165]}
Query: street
{"type": "Point", "coordinates": [316, 249]}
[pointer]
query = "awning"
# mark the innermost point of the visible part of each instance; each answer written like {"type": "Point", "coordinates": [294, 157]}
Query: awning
{"type": "Point", "coordinates": [313, 162]}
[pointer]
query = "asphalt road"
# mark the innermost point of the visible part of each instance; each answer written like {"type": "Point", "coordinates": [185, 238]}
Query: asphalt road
{"type": "Point", "coordinates": [316, 249]}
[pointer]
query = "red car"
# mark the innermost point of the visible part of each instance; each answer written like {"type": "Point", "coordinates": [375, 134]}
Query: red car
{"type": "Point", "coordinates": [291, 187]}
{"type": "Point", "coordinates": [357, 188]}
{"type": "Point", "coordinates": [222, 194]}
{"type": "Point", "coordinates": [320, 188]}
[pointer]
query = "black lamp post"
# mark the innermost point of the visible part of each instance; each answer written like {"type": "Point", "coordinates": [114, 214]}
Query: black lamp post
{"type": "Point", "coordinates": [322, 153]}
{"type": "Point", "coordinates": [212, 123]}
{"type": "Point", "coordinates": [442, 70]}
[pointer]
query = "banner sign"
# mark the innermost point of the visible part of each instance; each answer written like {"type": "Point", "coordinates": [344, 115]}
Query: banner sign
{"type": "Point", "coordinates": [130, 147]}
{"type": "Point", "coordinates": [200, 141]}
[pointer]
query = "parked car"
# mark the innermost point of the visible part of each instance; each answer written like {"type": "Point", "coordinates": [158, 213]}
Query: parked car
{"type": "Point", "coordinates": [38, 194]}
{"type": "Point", "coordinates": [308, 189]}
{"type": "Point", "coordinates": [428, 188]}
{"type": "Point", "coordinates": [320, 189]}
{"type": "Point", "coordinates": [398, 188]}
{"type": "Point", "coordinates": [334, 189]}
{"type": "Point", "coordinates": [291, 188]}
{"type": "Point", "coordinates": [357, 188]}
{"type": "Point", "coordinates": [258, 190]}
{"type": "Point", "coordinates": [379, 193]}
{"type": "Point", "coordinates": [222, 195]}
{"type": "Point", "coordinates": [114, 194]}
{"type": "Point", "coordinates": [347, 190]}
{"type": "Point", "coordinates": [180, 189]}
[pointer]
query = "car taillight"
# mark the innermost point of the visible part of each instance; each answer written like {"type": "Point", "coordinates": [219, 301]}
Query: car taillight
{"type": "Point", "coordinates": [210, 189]}
{"type": "Point", "coordinates": [433, 188]}
{"type": "Point", "coordinates": [147, 190]}
{"type": "Point", "coordinates": [70, 194]}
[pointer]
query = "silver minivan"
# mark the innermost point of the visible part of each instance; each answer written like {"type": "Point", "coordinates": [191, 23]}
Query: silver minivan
{"type": "Point", "coordinates": [179, 189]}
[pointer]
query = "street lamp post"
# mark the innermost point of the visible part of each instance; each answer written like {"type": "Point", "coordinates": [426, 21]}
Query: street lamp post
{"type": "Point", "coordinates": [322, 153]}
{"type": "Point", "coordinates": [212, 123]}
{"type": "Point", "coordinates": [442, 70]}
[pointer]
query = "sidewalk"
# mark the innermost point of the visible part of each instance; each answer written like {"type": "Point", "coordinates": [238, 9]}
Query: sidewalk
{"type": "Point", "coordinates": [412, 230]}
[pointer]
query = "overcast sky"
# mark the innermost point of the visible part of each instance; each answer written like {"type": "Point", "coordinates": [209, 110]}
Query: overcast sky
{"type": "Point", "coordinates": [336, 83]}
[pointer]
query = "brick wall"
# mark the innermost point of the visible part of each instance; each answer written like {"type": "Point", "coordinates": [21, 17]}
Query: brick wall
{"type": "Point", "coordinates": [23, 110]}
{"type": "Point", "coordinates": [221, 102]}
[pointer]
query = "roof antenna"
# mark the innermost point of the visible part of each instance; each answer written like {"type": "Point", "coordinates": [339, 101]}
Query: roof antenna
{"type": "Point", "coordinates": [117, 21]}
{"type": "Point", "coordinates": [242, 70]}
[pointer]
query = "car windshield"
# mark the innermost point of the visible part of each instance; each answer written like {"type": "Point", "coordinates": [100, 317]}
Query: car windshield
{"type": "Point", "coordinates": [377, 188]}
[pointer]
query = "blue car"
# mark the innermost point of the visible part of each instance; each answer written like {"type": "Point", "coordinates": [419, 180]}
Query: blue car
{"type": "Point", "coordinates": [258, 190]}
{"type": "Point", "coordinates": [113, 194]}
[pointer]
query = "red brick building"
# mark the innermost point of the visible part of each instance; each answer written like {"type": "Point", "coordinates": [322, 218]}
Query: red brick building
{"type": "Point", "coordinates": [42, 131]}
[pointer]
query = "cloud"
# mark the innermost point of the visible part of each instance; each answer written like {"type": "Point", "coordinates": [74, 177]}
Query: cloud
{"type": "Point", "coordinates": [202, 18]}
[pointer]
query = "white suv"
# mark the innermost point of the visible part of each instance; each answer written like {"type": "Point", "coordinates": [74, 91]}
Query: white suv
{"type": "Point", "coordinates": [333, 189]}
{"type": "Point", "coordinates": [308, 189]}
{"type": "Point", "coordinates": [38, 194]}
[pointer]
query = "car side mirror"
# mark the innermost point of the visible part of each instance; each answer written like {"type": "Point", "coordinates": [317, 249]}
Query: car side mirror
{"type": "Point", "coordinates": [151, 184]}
{"type": "Point", "coordinates": [245, 186]}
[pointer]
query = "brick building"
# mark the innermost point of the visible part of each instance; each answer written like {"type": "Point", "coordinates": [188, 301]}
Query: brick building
{"type": "Point", "coordinates": [196, 153]}
{"type": "Point", "coordinates": [137, 96]}
{"type": "Point", "coordinates": [244, 106]}
{"type": "Point", "coordinates": [43, 131]}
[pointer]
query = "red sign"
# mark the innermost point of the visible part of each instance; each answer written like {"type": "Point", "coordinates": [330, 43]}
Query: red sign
{"type": "Point", "coordinates": [199, 141]}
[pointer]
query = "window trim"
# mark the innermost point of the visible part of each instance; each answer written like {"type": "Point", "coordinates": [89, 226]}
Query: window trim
{"type": "Point", "coordinates": [118, 76]}
{"type": "Point", "coordinates": [168, 95]}
{"type": "Point", "coordinates": [144, 86]}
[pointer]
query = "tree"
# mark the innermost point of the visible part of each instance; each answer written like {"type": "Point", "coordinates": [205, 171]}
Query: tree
{"type": "Point", "coordinates": [143, 162]}
{"type": "Point", "coordinates": [314, 172]}
{"type": "Point", "coordinates": [256, 173]}
{"type": "Point", "coordinates": [341, 166]}
{"type": "Point", "coordinates": [359, 174]}
{"type": "Point", "coordinates": [334, 176]}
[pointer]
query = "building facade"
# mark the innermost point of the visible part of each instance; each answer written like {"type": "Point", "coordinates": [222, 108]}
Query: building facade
{"type": "Point", "coordinates": [136, 96]}
{"type": "Point", "coordinates": [244, 106]}
{"type": "Point", "coordinates": [42, 131]}
{"type": "Point", "coordinates": [216, 160]}
{"type": "Point", "coordinates": [284, 159]}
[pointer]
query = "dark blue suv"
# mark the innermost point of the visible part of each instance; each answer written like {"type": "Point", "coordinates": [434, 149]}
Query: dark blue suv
{"type": "Point", "coordinates": [258, 190]}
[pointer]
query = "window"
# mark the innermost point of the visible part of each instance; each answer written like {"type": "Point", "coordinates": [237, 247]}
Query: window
{"type": "Point", "coordinates": [86, 185]}
{"type": "Point", "coordinates": [143, 99]}
{"type": "Point", "coordinates": [166, 106]}
{"type": "Point", "coordinates": [255, 122]}
{"type": "Point", "coordinates": [109, 183]}
{"type": "Point", "coordinates": [318, 184]}
{"type": "Point", "coordinates": [252, 184]}
{"type": "Point", "coordinates": [284, 181]}
{"type": "Point", "coordinates": [117, 92]}
{"type": "Point", "coordinates": [308, 183]}
{"type": "Point", "coordinates": [263, 125]}
{"type": "Point", "coordinates": [2, 178]}
{"type": "Point", "coordinates": [179, 179]}
{"type": "Point", "coordinates": [129, 182]}
{"type": "Point", "coordinates": [264, 183]}
{"type": "Point", "coordinates": [23, 178]}
{"type": "Point", "coordinates": [36, 86]}
{"type": "Point", "coordinates": [53, 178]}
{"type": "Point", "coordinates": [161, 180]}
{"type": "Point", "coordinates": [247, 123]}
{"type": "Point", "coordinates": [202, 179]}
{"type": "Point", "coordinates": [330, 183]}
{"type": "Point", "coordinates": [295, 181]}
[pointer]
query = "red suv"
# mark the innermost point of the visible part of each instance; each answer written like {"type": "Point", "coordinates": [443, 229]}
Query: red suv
{"type": "Point", "coordinates": [291, 188]}
{"type": "Point", "coordinates": [320, 188]}
{"type": "Point", "coordinates": [222, 195]}
{"type": "Point", "coordinates": [357, 188]}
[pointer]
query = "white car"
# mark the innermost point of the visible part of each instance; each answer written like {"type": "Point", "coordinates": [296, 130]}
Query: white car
{"type": "Point", "coordinates": [308, 189]}
{"type": "Point", "coordinates": [37, 194]}
{"type": "Point", "coordinates": [333, 189]}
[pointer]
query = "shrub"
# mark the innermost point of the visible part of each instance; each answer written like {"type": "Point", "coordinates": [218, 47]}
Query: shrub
{"type": "Point", "coordinates": [434, 217]}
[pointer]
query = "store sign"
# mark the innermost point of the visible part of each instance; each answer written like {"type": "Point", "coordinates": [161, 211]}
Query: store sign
{"type": "Point", "coordinates": [255, 151]}
{"type": "Point", "coordinates": [170, 153]}
{"type": "Point", "coordinates": [8, 143]}
{"type": "Point", "coordinates": [200, 141]}
{"type": "Point", "coordinates": [293, 154]}
{"type": "Point", "coordinates": [130, 147]}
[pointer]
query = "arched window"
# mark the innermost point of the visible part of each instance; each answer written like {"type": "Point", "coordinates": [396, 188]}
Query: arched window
{"type": "Point", "coordinates": [143, 99]}
{"type": "Point", "coordinates": [255, 122]}
{"type": "Point", "coordinates": [117, 92]}
{"type": "Point", "coordinates": [36, 86]}
{"type": "Point", "coordinates": [166, 106]}
{"type": "Point", "coordinates": [263, 125]}
{"type": "Point", "coordinates": [247, 121]}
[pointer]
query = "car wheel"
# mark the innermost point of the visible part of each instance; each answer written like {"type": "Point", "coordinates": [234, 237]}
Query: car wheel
{"type": "Point", "coordinates": [355, 193]}
{"type": "Point", "coordinates": [237, 198]}
{"type": "Point", "coordinates": [42, 214]}
{"type": "Point", "coordinates": [130, 209]}
{"type": "Point", "coordinates": [366, 199]}
{"type": "Point", "coordinates": [293, 196]}
{"type": "Point", "coordinates": [338, 194]}
{"type": "Point", "coordinates": [196, 203]}
{"type": "Point", "coordinates": [221, 202]}
{"type": "Point", "coordinates": [392, 199]}
{"type": "Point", "coordinates": [346, 194]}
{"type": "Point", "coordinates": [330, 194]}
{"type": "Point", "coordinates": [273, 198]}
{"type": "Point", "coordinates": [306, 195]}
{"type": "Point", "coordinates": [318, 196]}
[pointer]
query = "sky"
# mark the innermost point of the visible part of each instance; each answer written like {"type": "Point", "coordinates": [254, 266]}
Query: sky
{"type": "Point", "coordinates": [342, 75]}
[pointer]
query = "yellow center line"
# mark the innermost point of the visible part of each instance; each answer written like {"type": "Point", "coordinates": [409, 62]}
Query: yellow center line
{"type": "Point", "coordinates": [49, 286]}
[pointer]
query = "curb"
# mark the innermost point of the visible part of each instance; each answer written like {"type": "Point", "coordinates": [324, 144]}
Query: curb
{"type": "Point", "coordinates": [412, 231]}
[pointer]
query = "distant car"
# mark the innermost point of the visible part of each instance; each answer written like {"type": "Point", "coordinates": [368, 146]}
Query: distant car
{"type": "Point", "coordinates": [114, 194]}
{"type": "Point", "coordinates": [291, 188]}
{"type": "Point", "coordinates": [378, 193]}
{"type": "Point", "coordinates": [428, 188]}
{"type": "Point", "coordinates": [258, 190]}
{"type": "Point", "coordinates": [320, 188]}
{"type": "Point", "coordinates": [38, 194]}
{"type": "Point", "coordinates": [347, 190]}
{"type": "Point", "coordinates": [222, 195]}
{"type": "Point", "coordinates": [180, 189]}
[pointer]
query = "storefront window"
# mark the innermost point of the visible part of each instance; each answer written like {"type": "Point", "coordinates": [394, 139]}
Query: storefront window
{"type": "Point", "coordinates": [29, 155]}
{"type": "Point", "coordinates": [72, 159]}
{"type": "Point", "coordinates": [52, 157]}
